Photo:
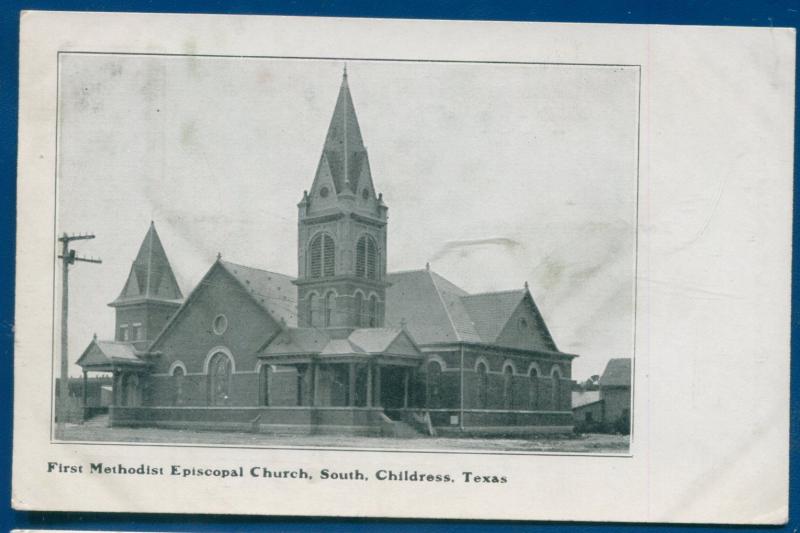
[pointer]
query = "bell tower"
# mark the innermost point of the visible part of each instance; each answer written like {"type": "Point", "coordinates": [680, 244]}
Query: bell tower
{"type": "Point", "coordinates": [150, 296]}
{"type": "Point", "coordinates": [341, 252]}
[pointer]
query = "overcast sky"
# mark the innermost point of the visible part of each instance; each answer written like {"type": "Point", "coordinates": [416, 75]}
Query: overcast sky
{"type": "Point", "coordinates": [495, 174]}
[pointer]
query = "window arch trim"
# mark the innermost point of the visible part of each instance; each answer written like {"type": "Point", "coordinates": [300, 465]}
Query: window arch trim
{"type": "Point", "coordinates": [175, 365]}
{"type": "Point", "coordinates": [438, 359]}
{"type": "Point", "coordinates": [214, 351]}
{"type": "Point", "coordinates": [532, 367]}
{"type": "Point", "coordinates": [368, 258]}
{"type": "Point", "coordinates": [327, 255]}
{"type": "Point", "coordinates": [482, 359]}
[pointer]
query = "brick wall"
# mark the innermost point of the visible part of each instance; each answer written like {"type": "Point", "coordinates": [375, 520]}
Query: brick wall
{"type": "Point", "coordinates": [191, 337]}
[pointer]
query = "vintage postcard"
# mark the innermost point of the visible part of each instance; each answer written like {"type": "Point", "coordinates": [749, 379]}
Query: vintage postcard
{"type": "Point", "coordinates": [403, 268]}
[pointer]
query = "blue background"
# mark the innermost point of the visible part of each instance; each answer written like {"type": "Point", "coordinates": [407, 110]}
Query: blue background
{"type": "Point", "coordinates": [738, 13]}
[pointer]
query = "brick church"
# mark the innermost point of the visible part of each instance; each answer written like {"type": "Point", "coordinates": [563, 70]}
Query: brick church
{"type": "Point", "coordinates": [345, 347]}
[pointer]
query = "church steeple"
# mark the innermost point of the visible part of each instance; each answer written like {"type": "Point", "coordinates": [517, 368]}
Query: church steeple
{"type": "Point", "coordinates": [150, 296]}
{"type": "Point", "coordinates": [151, 275]}
{"type": "Point", "coordinates": [344, 153]}
{"type": "Point", "coordinates": [342, 230]}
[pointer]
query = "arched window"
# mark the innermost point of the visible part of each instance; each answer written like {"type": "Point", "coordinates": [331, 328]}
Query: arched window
{"type": "Point", "coordinates": [219, 379]}
{"type": "Point", "coordinates": [373, 311]}
{"type": "Point", "coordinates": [367, 258]}
{"type": "Point", "coordinates": [311, 312]}
{"type": "Point", "coordinates": [322, 253]}
{"type": "Point", "coordinates": [508, 387]}
{"type": "Point", "coordinates": [556, 375]}
{"type": "Point", "coordinates": [359, 309]}
{"type": "Point", "coordinates": [330, 302]}
{"type": "Point", "coordinates": [483, 385]}
{"type": "Point", "coordinates": [533, 389]}
{"type": "Point", "coordinates": [434, 384]}
{"type": "Point", "coordinates": [177, 385]}
{"type": "Point", "coordinates": [264, 377]}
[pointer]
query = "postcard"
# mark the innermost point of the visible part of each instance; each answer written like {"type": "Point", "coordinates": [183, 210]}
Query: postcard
{"type": "Point", "coordinates": [385, 268]}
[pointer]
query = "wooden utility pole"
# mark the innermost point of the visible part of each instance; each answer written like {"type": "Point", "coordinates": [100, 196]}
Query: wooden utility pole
{"type": "Point", "coordinates": [68, 258]}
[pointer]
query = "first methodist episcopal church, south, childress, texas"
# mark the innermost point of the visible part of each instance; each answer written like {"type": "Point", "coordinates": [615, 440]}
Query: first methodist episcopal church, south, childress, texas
{"type": "Point", "coordinates": [345, 348]}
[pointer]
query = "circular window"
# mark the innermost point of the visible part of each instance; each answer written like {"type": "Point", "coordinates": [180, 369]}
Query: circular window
{"type": "Point", "coordinates": [324, 192]}
{"type": "Point", "coordinates": [523, 324]}
{"type": "Point", "coordinates": [365, 194]}
{"type": "Point", "coordinates": [220, 324]}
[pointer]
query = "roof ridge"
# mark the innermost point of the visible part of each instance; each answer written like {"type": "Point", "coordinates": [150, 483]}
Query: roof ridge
{"type": "Point", "coordinates": [231, 263]}
{"type": "Point", "coordinates": [149, 258]}
{"type": "Point", "coordinates": [504, 291]}
{"type": "Point", "coordinates": [444, 305]}
{"type": "Point", "coordinates": [409, 271]}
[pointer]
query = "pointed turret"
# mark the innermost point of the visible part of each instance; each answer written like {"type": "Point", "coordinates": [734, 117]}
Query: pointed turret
{"type": "Point", "coordinates": [344, 151]}
{"type": "Point", "coordinates": [151, 275]}
{"type": "Point", "coordinates": [150, 296]}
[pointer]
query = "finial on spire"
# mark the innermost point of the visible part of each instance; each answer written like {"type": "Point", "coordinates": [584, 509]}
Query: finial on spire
{"type": "Point", "coordinates": [428, 266]}
{"type": "Point", "coordinates": [403, 323]}
{"type": "Point", "coordinates": [94, 336]}
{"type": "Point", "coordinates": [219, 256]}
{"type": "Point", "coordinates": [526, 285]}
{"type": "Point", "coordinates": [344, 72]}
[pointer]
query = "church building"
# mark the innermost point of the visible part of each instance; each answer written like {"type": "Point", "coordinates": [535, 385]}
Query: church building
{"type": "Point", "coordinates": [346, 347]}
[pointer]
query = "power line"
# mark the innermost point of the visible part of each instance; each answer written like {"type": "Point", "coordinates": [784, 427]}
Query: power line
{"type": "Point", "coordinates": [68, 257]}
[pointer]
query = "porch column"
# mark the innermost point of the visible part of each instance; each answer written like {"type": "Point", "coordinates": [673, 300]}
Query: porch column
{"type": "Point", "coordinates": [377, 385]}
{"type": "Point", "coordinates": [301, 373]}
{"type": "Point", "coordinates": [314, 383]}
{"type": "Point", "coordinates": [115, 389]}
{"type": "Point", "coordinates": [351, 392]}
{"type": "Point", "coordinates": [85, 383]}
{"type": "Point", "coordinates": [369, 384]}
{"type": "Point", "coordinates": [405, 386]}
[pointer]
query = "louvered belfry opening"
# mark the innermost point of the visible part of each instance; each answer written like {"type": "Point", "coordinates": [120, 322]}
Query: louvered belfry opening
{"type": "Point", "coordinates": [322, 256]}
{"type": "Point", "coordinates": [366, 258]}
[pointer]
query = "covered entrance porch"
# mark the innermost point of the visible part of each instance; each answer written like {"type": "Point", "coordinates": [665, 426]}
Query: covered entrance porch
{"type": "Point", "coordinates": [347, 372]}
{"type": "Point", "coordinates": [128, 373]}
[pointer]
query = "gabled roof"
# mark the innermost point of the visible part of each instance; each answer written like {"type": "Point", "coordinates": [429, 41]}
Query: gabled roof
{"type": "Point", "coordinates": [617, 373]}
{"type": "Point", "coordinates": [437, 311]}
{"type": "Point", "coordinates": [430, 306]}
{"type": "Point", "coordinates": [344, 153]}
{"type": "Point", "coordinates": [151, 276]}
{"type": "Point", "coordinates": [298, 341]}
{"type": "Point", "coordinates": [374, 340]}
{"type": "Point", "coordinates": [107, 353]}
{"type": "Point", "coordinates": [581, 398]}
{"type": "Point", "coordinates": [331, 342]}
{"type": "Point", "coordinates": [491, 311]}
{"type": "Point", "coordinates": [272, 291]}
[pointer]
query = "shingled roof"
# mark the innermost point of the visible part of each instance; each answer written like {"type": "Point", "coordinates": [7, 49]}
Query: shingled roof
{"type": "Point", "coordinates": [617, 373]}
{"type": "Point", "coordinates": [344, 153]}
{"type": "Point", "coordinates": [490, 311]}
{"type": "Point", "coordinates": [151, 275]}
{"type": "Point", "coordinates": [105, 354]}
{"type": "Point", "coordinates": [272, 291]}
{"type": "Point", "coordinates": [437, 311]}
{"type": "Point", "coordinates": [333, 341]}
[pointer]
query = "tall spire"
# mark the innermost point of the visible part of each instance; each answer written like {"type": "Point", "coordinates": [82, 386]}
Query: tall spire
{"type": "Point", "coordinates": [344, 153]}
{"type": "Point", "coordinates": [151, 275]}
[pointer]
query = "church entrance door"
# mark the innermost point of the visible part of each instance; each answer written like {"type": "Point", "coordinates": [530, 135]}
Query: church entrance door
{"type": "Point", "coordinates": [392, 387]}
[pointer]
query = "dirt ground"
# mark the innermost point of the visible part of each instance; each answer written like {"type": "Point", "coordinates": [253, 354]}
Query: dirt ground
{"type": "Point", "coordinates": [588, 443]}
